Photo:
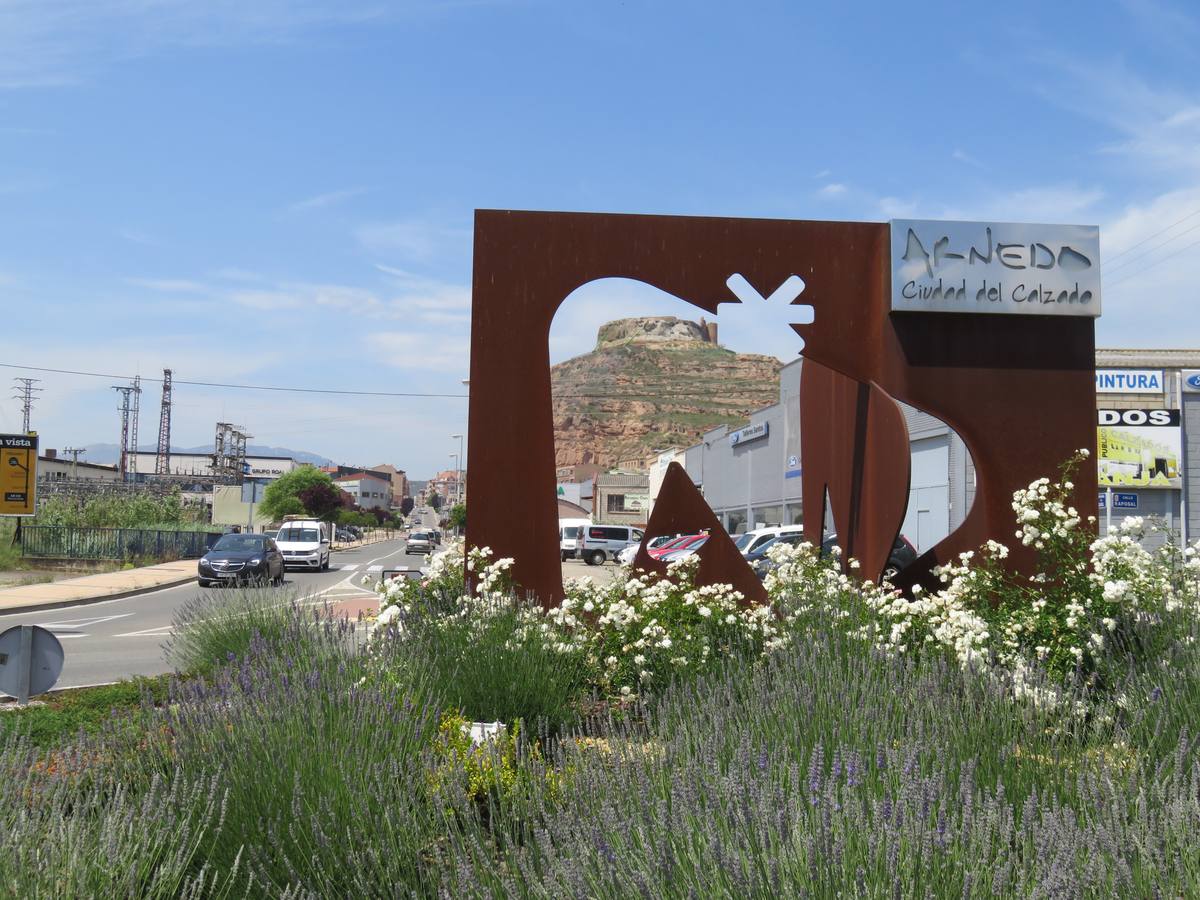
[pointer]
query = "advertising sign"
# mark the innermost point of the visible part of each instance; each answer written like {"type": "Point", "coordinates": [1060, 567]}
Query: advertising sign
{"type": "Point", "coordinates": [1138, 448]}
{"type": "Point", "coordinates": [1129, 381]}
{"type": "Point", "coordinates": [745, 435]}
{"type": "Point", "coordinates": [1191, 381]}
{"type": "Point", "coordinates": [18, 474]}
{"type": "Point", "coordinates": [995, 267]}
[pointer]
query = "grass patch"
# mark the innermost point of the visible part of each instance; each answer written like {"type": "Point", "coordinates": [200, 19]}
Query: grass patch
{"type": "Point", "coordinates": [66, 714]}
{"type": "Point", "coordinates": [219, 626]}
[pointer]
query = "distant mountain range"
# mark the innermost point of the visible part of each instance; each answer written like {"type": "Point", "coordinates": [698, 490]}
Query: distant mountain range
{"type": "Point", "coordinates": [108, 454]}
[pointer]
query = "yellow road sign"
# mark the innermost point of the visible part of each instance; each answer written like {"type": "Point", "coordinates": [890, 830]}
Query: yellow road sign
{"type": "Point", "coordinates": [18, 474]}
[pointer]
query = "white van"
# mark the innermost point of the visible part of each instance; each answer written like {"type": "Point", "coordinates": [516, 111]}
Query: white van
{"type": "Point", "coordinates": [597, 543]}
{"type": "Point", "coordinates": [304, 544]}
{"type": "Point", "coordinates": [568, 535]}
{"type": "Point", "coordinates": [750, 541]}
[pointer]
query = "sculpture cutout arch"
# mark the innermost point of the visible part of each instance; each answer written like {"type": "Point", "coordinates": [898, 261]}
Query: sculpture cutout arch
{"type": "Point", "coordinates": [1017, 389]}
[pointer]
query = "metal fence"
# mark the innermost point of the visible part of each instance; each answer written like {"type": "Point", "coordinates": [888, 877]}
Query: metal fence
{"type": "Point", "coordinates": [67, 542]}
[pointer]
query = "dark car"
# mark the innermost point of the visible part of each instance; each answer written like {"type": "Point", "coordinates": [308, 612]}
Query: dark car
{"type": "Point", "coordinates": [902, 554]}
{"type": "Point", "coordinates": [242, 559]}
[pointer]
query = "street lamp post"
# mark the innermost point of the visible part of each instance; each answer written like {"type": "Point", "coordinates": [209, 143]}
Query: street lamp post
{"type": "Point", "coordinates": [458, 487]}
{"type": "Point", "coordinates": [454, 456]}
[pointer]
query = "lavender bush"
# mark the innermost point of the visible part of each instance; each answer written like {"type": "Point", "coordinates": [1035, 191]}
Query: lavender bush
{"type": "Point", "coordinates": [835, 770]}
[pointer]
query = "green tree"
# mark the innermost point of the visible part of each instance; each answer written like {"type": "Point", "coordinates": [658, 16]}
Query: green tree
{"type": "Point", "coordinates": [434, 501]}
{"type": "Point", "coordinates": [284, 495]}
{"type": "Point", "coordinates": [457, 516]}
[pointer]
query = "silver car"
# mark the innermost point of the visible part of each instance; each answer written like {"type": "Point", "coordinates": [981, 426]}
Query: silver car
{"type": "Point", "coordinates": [419, 542]}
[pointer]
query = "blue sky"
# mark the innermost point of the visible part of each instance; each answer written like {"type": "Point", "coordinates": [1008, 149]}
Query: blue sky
{"type": "Point", "coordinates": [281, 193]}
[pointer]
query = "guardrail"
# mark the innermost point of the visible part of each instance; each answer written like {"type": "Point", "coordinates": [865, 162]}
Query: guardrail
{"type": "Point", "coordinates": [69, 542]}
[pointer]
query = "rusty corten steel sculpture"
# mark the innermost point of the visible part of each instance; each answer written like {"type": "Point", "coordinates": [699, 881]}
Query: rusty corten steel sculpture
{"type": "Point", "coordinates": [856, 447]}
{"type": "Point", "coordinates": [680, 509]}
{"type": "Point", "coordinates": [1017, 389]}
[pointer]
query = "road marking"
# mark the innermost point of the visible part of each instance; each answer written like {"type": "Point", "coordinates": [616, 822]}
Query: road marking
{"type": "Point", "coordinates": [161, 631]}
{"type": "Point", "coordinates": [374, 568]}
{"type": "Point", "coordinates": [83, 623]}
{"type": "Point", "coordinates": [350, 568]}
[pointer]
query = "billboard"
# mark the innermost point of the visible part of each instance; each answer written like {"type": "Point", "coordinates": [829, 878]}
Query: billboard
{"type": "Point", "coordinates": [18, 474]}
{"type": "Point", "coordinates": [1139, 448]}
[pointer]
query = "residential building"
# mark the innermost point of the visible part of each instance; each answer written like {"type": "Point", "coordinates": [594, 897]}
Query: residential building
{"type": "Point", "coordinates": [621, 498]}
{"type": "Point", "coordinates": [368, 491]}
{"type": "Point", "coordinates": [399, 480]}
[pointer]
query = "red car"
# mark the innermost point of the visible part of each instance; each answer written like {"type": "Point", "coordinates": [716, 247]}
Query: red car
{"type": "Point", "coordinates": [684, 543]}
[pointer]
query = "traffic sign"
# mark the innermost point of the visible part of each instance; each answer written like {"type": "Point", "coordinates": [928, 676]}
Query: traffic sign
{"type": "Point", "coordinates": [18, 474]}
{"type": "Point", "coordinates": [31, 659]}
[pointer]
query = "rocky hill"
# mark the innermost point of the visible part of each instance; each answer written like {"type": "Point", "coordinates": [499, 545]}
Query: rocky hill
{"type": "Point", "coordinates": [653, 383]}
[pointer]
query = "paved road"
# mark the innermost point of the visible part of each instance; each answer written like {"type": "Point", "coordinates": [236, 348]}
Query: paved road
{"type": "Point", "coordinates": [114, 639]}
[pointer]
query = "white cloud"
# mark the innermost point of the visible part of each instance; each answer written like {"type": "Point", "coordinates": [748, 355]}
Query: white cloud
{"type": "Point", "coordinates": [169, 285]}
{"type": "Point", "coordinates": [417, 351]}
{"type": "Point", "coordinates": [321, 201]}
{"type": "Point", "coordinates": [963, 156]}
{"type": "Point", "coordinates": [55, 42]}
{"type": "Point", "coordinates": [414, 240]}
{"type": "Point", "coordinates": [833, 190]}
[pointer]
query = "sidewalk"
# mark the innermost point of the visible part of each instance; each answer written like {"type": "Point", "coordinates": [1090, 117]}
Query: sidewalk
{"type": "Point", "coordinates": [108, 586]}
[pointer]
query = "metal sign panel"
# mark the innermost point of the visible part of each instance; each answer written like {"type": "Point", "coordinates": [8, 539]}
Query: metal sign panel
{"type": "Point", "coordinates": [745, 435]}
{"type": "Point", "coordinates": [1191, 381]}
{"type": "Point", "coordinates": [31, 659]}
{"type": "Point", "coordinates": [995, 267]}
{"type": "Point", "coordinates": [18, 474]}
{"type": "Point", "coordinates": [1129, 381]}
{"type": "Point", "coordinates": [1125, 501]}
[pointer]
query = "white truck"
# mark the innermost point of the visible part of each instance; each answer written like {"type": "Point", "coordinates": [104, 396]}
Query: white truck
{"type": "Point", "coordinates": [304, 543]}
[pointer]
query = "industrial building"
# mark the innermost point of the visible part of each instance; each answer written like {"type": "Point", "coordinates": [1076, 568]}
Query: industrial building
{"type": "Point", "coordinates": [1147, 401]}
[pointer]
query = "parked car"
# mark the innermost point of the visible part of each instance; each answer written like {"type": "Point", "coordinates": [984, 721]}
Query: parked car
{"type": "Point", "coordinates": [750, 541]}
{"type": "Point", "coordinates": [419, 542]}
{"type": "Point", "coordinates": [241, 559]}
{"type": "Point", "coordinates": [600, 542]}
{"type": "Point", "coordinates": [345, 535]}
{"type": "Point", "coordinates": [688, 547]}
{"type": "Point", "coordinates": [626, 556]}
{"type": "Point", "coordinates": [903, 553]}
{"type": "Point", "coordinates": [673, 544]}
{"type": "Point", "coordinates": [305, 543]}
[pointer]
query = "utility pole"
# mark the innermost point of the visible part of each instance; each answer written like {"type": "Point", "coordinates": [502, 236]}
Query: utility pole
{"type": "Point", "coordinates": [25, 393]}
{"type": "Point", "coordinates": [74, 454]}
{"type": "Point", "coordinates": [162, 459]}
{"type": "Point", "coordinates": [136, 415]}
{"type": "Point", "coordinates": [125, 390]}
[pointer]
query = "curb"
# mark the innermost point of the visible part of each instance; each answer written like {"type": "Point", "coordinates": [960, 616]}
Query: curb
{"type": "Point", "coordinates": [81, 601]}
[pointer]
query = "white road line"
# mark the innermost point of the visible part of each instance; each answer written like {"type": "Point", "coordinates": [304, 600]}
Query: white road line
{"type": "Point", "coordinates": [84, 623]}
{"type": "Point", "coordinates": [63, 637]}
{"type": "Point", "coordinates": [161, 631]}
{"type": "Point", "coordinates": [350, 568]}
{"type": "Point", "coordinates": [374, 568]}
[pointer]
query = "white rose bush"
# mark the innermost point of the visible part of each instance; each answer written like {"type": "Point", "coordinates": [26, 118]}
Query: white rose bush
{"type": "Point", "coordinates": [1092, 608]}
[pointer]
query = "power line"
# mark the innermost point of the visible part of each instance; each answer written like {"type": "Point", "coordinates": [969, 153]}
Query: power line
{"type": "Point", "coordinates": [1153, 236]}
{"type": "Point", "coordinates": [1162, 259]}
{"type": "Point", "coordinates": [300, 390]}
{"type": "Point", "coordinates": [1156, 247]}
{"type": "Point", "coordinates": [242, 387]}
